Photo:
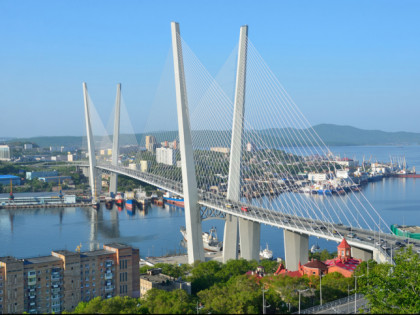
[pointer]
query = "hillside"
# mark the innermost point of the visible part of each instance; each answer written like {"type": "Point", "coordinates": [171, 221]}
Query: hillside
{"type": "Point", "coordinates": [331, 135]}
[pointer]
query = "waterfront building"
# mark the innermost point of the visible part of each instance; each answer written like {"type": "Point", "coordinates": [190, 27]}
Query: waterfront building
{"type": "Point", "coordinates": [165, 156]}
{"type": "Point", "coordinates": [60, 281]}
{"type": "Point", "coordinates": [155, 279]}
{"type": "Point", "coordinates": [5, 180]}
{"type": "Point", "coordinates": [150, 143]}
{"type": "Point", "coordinates": [33, 175]}
{"type": "Point", "coordinates": [220, 150]}
{"type": "Point", "coordinates": [4, 153]}
{"type": "Point", "coordinates": [28, 146]}
{"type": "Point", "coordinates": [346, 162]}
{"type": "Point", "coordinates": [317, 177]}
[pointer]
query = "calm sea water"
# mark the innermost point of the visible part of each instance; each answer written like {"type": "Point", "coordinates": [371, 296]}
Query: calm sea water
{"type": "Point", "coordinates": [34, 232]}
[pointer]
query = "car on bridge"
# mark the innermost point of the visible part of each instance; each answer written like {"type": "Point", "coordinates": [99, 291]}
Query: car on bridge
{"type": "Point", "coordinates": [245, 209]}
{"type": "Point", "coordinates": [230, 206]}
{"type": "Point", "coordinates": [351, 235]}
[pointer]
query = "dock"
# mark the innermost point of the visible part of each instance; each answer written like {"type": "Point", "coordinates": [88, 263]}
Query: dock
{"type": "Point", "coordinates": [45, 205]}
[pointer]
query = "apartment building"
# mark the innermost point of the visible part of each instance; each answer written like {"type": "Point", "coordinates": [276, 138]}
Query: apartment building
{"type": "Point", "coordinates": [60, 281]}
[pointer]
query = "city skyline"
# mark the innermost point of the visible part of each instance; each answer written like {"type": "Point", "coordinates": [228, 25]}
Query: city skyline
{"type": "Point", "coordinates": [344, 64]}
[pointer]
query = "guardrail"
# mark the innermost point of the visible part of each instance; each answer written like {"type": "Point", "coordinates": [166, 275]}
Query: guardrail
{"type": "Point", "coordinates": [326, 306]}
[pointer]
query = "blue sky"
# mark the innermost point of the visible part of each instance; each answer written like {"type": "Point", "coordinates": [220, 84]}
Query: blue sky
{"type": "Point", "coordinates": [344, 62]}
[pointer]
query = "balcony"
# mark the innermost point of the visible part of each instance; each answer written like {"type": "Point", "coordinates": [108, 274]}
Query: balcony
{"type": "Point", "coordinates": [55, 277]}
{"type": "Point", "coordinates": [108, 264]}
{"type": "Point", "coordinates": [108, 276]}
{"type": "Point", "coordinates": [55, 290]}
{"type": "Point", "coordinates": [109, 288]}
{"type": "Point", "coordinates": [32, 296]}
{"type": "Point", "coordinates": [31, 281]}
{"type": "Point", "coordinates": [31, 274]}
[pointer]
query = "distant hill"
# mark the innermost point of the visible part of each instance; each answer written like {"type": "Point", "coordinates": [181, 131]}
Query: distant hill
{"type": "Point", "coordinates": [332, 135]}
{"type": "Point", "coordinates": [347, 135]}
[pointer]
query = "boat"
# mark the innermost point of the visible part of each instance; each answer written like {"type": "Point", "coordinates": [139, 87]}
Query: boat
{"type": "Point", "coordinates": [109, 202]}
{"type": "Point", "coordinates": [210, 240]}
{"type": "Point", "coordinates": [129, 204]}
{"type": "Point", "coordinates": [266, 253]}
{"type": "Point", "coordinates": [173, 200]}
{"type": "Point", "coordinates": [315, 248]}
{"type": "Point", "coordinates": [119, 199]}
{"type": "Point", "coordinates": [374, 177]}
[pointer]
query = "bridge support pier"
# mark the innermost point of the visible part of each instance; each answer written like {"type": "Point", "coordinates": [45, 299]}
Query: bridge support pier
{"type": "Point", "coordinates": [189, 180]}
{"type": "Point", "coordinates": [230, 238]}
{"type": "Point", "coordinates": [115, 142]}
{"type": "Point", "coordinates": [296, 247]}
{"type": "Point", "coordinates": [249, 233]}
{"type": "Point", "coordinates": [360, 253]}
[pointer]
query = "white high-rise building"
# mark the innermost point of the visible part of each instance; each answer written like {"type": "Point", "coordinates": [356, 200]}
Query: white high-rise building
{"type": "Point", "coordinates": [165, 156]}
{"type": "Point", "coordinates": [4, 153]}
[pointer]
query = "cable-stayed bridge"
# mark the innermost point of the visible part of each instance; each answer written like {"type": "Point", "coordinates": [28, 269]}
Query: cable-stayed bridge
{"type": "Point", "coordinates": [247, 167]}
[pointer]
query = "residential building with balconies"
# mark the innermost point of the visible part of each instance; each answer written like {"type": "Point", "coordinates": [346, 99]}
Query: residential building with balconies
{"type": "Point", "coordinates": [52, 284]}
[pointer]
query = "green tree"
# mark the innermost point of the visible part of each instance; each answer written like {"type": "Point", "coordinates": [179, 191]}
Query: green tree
{"type": "Point", "coordinates": [173, 302]}
{"type": "Point", "coordinates": [392, 289]}
{"type": "Point", "coordinates": [204, 275]}
{"type": "Point", "coordinates": [115, 305]}
{"type": "Point", "coordinates": [241, 295]}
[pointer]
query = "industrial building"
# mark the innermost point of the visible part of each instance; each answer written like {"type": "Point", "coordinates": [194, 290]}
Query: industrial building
{"type": "Point", "coordinates": [5, 180]}
{"type": "Point", "coordinates": [57, 283]}
{"type": "Point", "coordinates": [4, 153]}
{"type": "Point", "coordinates": [33, 175]}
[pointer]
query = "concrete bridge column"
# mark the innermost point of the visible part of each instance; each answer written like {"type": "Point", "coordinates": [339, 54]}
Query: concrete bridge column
{"type": "Point", "coordinates": [230, 240]}
{"type": "Point", "coordinates": [189, 180]}
{"type": "Point", "coordinates": [362, 254]}
{"type": "Point", "coordinates": [296, 247]}
{"type": "Point", "coordinates": [115, 141]}
{"type": "Point", "coordinates": [249, 234]}
{"type": "Point", "coordinates": [91, 146]}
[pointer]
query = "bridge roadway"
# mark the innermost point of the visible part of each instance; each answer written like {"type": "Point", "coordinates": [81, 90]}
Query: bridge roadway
{"type": "Point", "coordinates": [361, 238]}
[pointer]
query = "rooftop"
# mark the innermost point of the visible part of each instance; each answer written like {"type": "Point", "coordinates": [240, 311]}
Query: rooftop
{"type": "Point", "coordinates": [316, 264]}
{"type": "Point", "coordinates": [65, 252]}
{"type": "Point", "coordinates": [9, 177]}
{"type": "Point", "coordinates": [96, 253]}
{"type": "Point", "coordinates": [344, 244]}
{"type": "Point", "coordinates": [40, 260]}
{"type": "Point", "coordinates": [350, 264]}
{"type": "Point", "coordinates": [117, 245]}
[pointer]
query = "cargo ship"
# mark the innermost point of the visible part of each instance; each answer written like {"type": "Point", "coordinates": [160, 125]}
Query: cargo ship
{"type": "Point", "coordinates": [210, 241]}
{"type": "Point", "coordinates": [409, 231]}
{"type": "Point", "coordinates": [173, 200]}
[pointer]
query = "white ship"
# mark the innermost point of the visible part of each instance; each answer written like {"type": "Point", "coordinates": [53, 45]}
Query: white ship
{"type": "Point", "coordinates": [266, 253]}
{"type": "Point", "coordinates": [210, 240]}
{"type": "Point", "coordinates": [315, 248]}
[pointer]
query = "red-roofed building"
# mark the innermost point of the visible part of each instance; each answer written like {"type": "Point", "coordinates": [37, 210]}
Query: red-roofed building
{"type": "Point", "coordinates": [343, 264]}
